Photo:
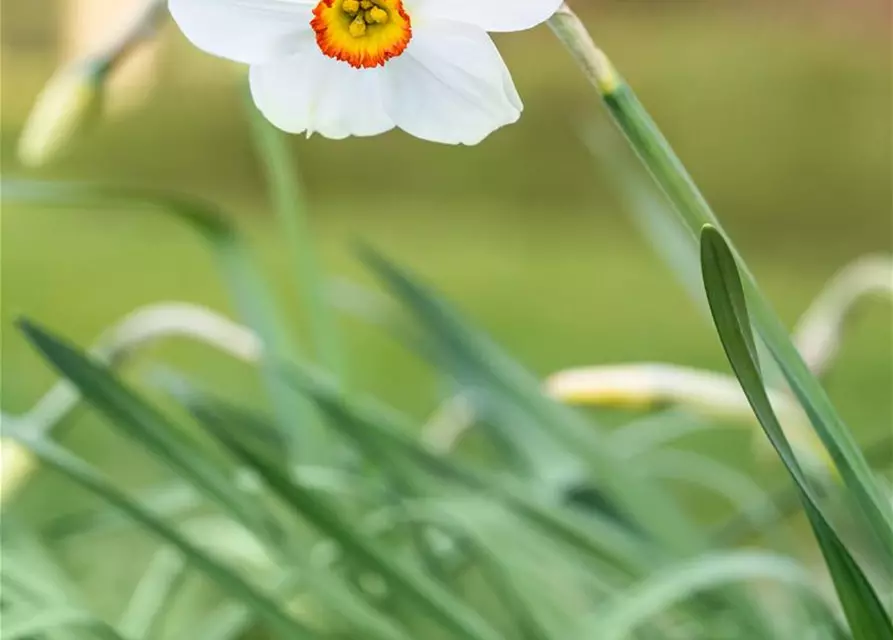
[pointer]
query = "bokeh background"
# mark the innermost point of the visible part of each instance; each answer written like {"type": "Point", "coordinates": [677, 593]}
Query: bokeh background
{"type": "Point", "coordinates": [781, 110]}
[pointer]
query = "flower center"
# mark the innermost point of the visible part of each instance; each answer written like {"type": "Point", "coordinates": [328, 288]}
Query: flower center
{"type": "Point", "coordinates": [362, 33]}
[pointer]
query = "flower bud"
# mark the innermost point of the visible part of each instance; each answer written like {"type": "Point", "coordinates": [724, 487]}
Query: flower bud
{"type": "Point", "coordinates": [16, 466]}
{"type": "Point", "coordinates": [69, 103]}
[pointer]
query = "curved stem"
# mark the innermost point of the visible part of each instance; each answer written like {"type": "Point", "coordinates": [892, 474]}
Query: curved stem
{"type": "Point", "coordinates": [819, 331]}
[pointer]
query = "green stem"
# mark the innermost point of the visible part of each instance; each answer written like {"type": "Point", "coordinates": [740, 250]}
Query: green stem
{"type": "Point", "coordinates": [288, 201]}
{"type": "Point", "coordinates": [688, 202]}
{"type": "Point", "coordinates": [296, 416]}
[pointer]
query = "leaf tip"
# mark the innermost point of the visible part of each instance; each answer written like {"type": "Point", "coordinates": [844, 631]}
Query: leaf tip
{"type": "Point", "coordinates": [28, 327]}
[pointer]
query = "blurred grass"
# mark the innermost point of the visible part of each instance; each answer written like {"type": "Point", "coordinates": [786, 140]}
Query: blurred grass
{"type": "Point", "coordinates": [522, 231]}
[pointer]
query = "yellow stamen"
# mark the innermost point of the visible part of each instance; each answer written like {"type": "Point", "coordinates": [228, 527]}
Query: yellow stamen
{"type": "Point", "coordinates": [357, 27]}
{"type": "Point", "coordinates": [376, 15]}
{"type": "Point", "coordinates": [362, 33]}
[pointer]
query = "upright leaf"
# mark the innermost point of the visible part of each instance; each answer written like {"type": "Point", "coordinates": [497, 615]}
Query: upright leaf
{"type": "Point", "coordinates": [284, 184]}
{"type": "Point", "coordinates": [866, 615]}
{"type": "Point", "coordinates": [412, 584]}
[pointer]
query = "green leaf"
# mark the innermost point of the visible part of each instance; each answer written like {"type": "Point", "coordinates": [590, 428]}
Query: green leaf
{"type": "Point", "coordinates": [693, 210]}
{"type": "Point", "coordinates": [727, 304]}
{"type": "Point", "coordinates": [35, 624]}
{"type": "Point", "coordinates": [562, 448]}
{"type": "Point", "coordinates": [410, 583]}
{"type": "Point", "coordinates": [621, 616]}
{"type": "Point", "coordinates": [228, 581]}
{"type": "Point", "coordinates": [283, 179]}
{"type": "Point", "coordinates": [376, 428]}
{"type": "Point", "coordinates": [866, 615]}
{"type": "Point", "coordinates": [785, 501]}
{"type": "Point", "coordinates": [145, 425]}
{"type": "Point", "coordinates": [229, 621]}
{"type": "Point", "coordinates": [252, 427]}
{"type": "Point", "coordinates": [170, 501]}
{"type": "Point", "coordinates": [153, 595]}
{"type": "Point", "coordinates": [250, 295]}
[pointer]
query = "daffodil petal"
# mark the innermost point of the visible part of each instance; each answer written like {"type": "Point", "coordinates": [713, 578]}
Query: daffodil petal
{"type": "Point", "coordinates": [308, 92]}
{"type": "Point", "coordinates": [489, 15]}
{"type": "Point", "coordinates": [450, 85]}
{"type": "Point", "coordinates": [244, 30]}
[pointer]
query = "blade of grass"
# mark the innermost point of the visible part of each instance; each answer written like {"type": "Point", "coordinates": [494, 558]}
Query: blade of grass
{"type": "Point", "coordinates": [725, 294]}
{"type": "Point", "coordinates": [145, 425]}
{"type": "Point", "coordinates": [521, 611]}
{"type": "Point", "coordinates": [598, 534]}
{"type": "Point", "coordinates": [414, 585]}
{"type": "Point", "coordinates": [152, 596]}
{"type": "Point", "coordinates": [36, 624]}
{"type": "Point", "coordinates": [229, 621]}
{"type": "Point", "coordinates": [39, 580]}
{"type": "Point", "coordinates": [407, 482]}
{"type": "Point", "coordinates": [744, 494]}
{"type": "Point", "coordinates": [362, 420]}
{"type": "Point", "coordinates": [648, 506]}
{"type": "Point", "coordinates": [231, 583]}
{"type": "Point", "coordinates": [621, 616]}
{"type": "Point", "coordinates": [169, 501]}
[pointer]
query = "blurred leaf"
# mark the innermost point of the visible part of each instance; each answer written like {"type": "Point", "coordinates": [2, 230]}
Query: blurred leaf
{"type": "Point", "coordinates": [251, 426]}
{"type": "Point", "coordinates": [556, 454]}
{"type": "Point", "coordinates": [84, 476]}
{"type": "Point", "coordinates": [622, 615]}
{"type": "Point", "coordinates": [170, 501]}
{"type": "Point", "coordinates": [743, 493]}
{"type": "Point", "coordinates": [521, 611]}
{"type": "Point", "coordinates": [785, 501]}
{"type": "Point", "coordinates": [284, 183]}
{"type": "Point", "coordinates": [229, 621]}
{"type": "Point", "coordinates": [414, 585]}
{"type": "Point", "coordinates": [153, 595]}
{"type": "Point", "coordinates": [249, 292]}
{"type": "Point", "coordinates": [145, 425]}
{"type": "Point", "coordinates": [38, 590]}
{"type": "Point", "coordinates": [37, 623]}
{"type": "Point", "coordinates": [866, 615]}
{"type": "Point", "coordinates": [377, 428]}
{"type": "Point", "coordinates": [200, 216]}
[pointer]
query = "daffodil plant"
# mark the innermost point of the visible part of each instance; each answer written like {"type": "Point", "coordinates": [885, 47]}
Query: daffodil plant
{"type": "Point", "coordinates": [576, 537]}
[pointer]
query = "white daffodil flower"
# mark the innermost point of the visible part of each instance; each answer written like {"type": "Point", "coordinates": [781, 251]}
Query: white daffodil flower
{"type": "Point", "coordinates": [361, 67]}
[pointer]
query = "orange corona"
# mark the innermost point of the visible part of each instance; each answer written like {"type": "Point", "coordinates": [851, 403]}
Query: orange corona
{"type": "Point", "coordinates": [362, 33]}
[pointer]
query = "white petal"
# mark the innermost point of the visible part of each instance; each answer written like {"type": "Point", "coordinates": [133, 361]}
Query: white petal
{"type": "Point", "coordinates": [310, 92]}
{"type": "Point", "coordinates": [450, 85]}
{"type": "Point", "coordinates": [244, 30]}
{"type": "Point", "coordinates": [489, 15]}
